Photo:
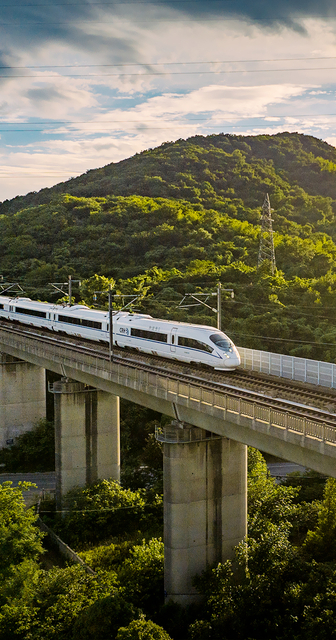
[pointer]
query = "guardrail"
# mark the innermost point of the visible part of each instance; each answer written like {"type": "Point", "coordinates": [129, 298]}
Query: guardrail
{"type": "Point", "coordinates": [290, 367]}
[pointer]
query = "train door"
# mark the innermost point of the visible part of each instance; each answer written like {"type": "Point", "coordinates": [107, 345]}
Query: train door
{"type": "Point", "coordinates": [173, 340]}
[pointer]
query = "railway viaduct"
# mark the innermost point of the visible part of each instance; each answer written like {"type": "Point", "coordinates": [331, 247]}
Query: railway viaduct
{"type": "Point", "coordinates": [214, 418]}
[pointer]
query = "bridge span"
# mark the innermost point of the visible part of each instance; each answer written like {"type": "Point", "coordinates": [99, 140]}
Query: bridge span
{"type": "Point", "coordinates": [214, 417]}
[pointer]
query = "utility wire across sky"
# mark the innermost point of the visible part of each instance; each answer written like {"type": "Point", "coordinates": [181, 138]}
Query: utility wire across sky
{"type": "Point", "coordinates": [167, 73]}
{"type": "Point", "coordinates": [157, 64]}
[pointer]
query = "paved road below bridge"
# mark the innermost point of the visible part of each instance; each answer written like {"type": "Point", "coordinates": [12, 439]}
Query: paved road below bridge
{"type": "Point", "coordinates": [281, 469]}
{"type": "Point", "coordinates": [46, 482]}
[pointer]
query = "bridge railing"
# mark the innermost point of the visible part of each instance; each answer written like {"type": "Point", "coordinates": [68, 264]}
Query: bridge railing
{"type": "Point", "coordinates": [291, 367]}
{"type": "Point", "coordinates": [317, 435]}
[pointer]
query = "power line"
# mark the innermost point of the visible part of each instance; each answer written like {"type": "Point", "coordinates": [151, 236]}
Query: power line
{"type": "Point", "coordinates": [157, 64]}
{"type": "Point", "coordinates": [135, 3]}
{"type": "Point", "coordinates": [121, 18]}
{"type": "Point", "coordinates": [212, 125]}
{"type": "Point", "coordinates": [249, 335]}
{"type": "Point", "coordinates": [167, 73]}
{"type": "Point", "coordinates": [128, 2]}
{"type": "Point", "coordinates": [125, 131]}
{"type": "Point", "coordinates": [224, 118]}
{"type": "Point", "coordinates": [285, 309]}
{"type": "Point", "coordinates": [41, 175]}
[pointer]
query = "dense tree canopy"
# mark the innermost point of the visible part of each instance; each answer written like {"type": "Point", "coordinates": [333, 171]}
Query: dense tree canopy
{"type": "Point", "coordinates": [282, 584]}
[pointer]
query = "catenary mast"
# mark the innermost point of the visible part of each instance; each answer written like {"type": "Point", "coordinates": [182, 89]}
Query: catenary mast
{"type": "Point", "coordinates": [266, 246]}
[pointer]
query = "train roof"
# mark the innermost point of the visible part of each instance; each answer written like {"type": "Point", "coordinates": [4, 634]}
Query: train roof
{"type": "Point", "coordinates": [132, 317]}
{"type": "Point", "coordinates": [66, 310]}
{"type": "Point", "coordinates": [117, 315]}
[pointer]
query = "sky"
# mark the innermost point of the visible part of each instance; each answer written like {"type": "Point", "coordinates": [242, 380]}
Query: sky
{"type": "Point", "coordinates": [84, 84]}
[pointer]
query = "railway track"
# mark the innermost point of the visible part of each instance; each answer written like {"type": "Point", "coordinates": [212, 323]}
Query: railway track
{"type": "Point", "coordinates": [294, 397]}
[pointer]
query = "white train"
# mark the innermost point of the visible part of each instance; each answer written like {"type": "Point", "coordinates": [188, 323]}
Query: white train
{"type": "Point", "coordinates": [177, 340]}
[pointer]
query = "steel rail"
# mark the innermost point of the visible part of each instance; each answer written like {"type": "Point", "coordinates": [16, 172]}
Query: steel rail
{"type": "Point", "coordinates": [251, 378]}
{"type": "Point", "coordinates": [291, 407]}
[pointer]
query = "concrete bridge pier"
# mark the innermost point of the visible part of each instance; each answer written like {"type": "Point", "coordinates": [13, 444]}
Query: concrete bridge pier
{"type": "Point", "coordinates": [205, 504]}
{"type": "Point", "coordinates": [22, 397]}
{"type": "Point", "coordinates": [87, 435]}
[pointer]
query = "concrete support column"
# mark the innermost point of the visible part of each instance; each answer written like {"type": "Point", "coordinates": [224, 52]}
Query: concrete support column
{"type": "Point", "coordinates": [205, 504]}
{"type": "Point", "coordinates": [87, 434]}
{"type": "Point", "coordinates": [22, 397]}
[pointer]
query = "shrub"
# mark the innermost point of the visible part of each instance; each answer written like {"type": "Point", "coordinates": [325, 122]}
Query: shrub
{"type": "Point", "coordinates": [104, 510]}
{"type": "Point", "coordinates": [142, 630]}
{"type": "Point", "coordinates": [103, 618]}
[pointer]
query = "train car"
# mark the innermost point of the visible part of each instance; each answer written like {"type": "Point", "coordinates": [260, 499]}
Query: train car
{"type": "Point", "coordinates": [190, 343]}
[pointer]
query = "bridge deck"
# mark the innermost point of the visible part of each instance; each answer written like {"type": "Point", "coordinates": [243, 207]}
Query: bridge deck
{"type": "Point", "coordinates": [283, 428]}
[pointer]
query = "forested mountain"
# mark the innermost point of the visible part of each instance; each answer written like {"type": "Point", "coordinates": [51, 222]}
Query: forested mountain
{"type": "Point", "coordinates": [184, 216]}
{"type": "Point", "coordinates": [207, 169]}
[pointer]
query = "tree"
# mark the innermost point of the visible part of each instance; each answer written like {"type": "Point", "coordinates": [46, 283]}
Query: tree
{"type": "Point", "coordinates": [266, 499]}
{"type": "Point", "coordinates": [20, 540]}
{"type": "Point", "coordinates": [141, 575]}
{"type": "Point", "coordinates": [321, 543]}
{"type": "Point", "coordinates": [99, 511]}
{"type": "Point", "coordinates": [103, 618]}
{"type": "Point", "coordinates": [95, 283]}
{"type": "Point", "coordinates": [142, 630]}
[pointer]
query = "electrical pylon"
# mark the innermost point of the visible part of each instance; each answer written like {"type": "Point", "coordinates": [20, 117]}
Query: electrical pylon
{"type": "Point", "coordinates": [266, 246]}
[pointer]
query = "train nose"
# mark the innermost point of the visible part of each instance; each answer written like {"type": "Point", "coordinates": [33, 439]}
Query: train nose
{"type": "Point", "coordinates": [232, 359]}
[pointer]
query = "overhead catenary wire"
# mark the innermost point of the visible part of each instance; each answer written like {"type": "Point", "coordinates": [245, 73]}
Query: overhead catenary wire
{"type": "Point", "coordinates": [250, 335]}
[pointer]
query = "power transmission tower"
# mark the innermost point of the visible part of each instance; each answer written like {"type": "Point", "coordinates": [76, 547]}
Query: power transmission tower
{"type": "Point", "coordinates": [266, 246]}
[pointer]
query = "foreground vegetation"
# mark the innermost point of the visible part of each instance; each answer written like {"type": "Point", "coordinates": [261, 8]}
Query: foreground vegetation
{"type": "Point", "coordinates": [286, 568]}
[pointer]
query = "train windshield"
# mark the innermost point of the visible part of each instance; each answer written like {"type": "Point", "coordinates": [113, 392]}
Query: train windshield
{"type": "Point", "coordinates": [221, 341]}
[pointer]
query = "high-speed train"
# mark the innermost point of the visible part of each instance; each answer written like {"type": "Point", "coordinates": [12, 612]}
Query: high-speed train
{"type": "Point", "coordinates": [191, 343]}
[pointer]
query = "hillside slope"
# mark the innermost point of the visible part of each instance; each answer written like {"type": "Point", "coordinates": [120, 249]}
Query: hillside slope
{"type": "Point", "coordinates": [205, 169]}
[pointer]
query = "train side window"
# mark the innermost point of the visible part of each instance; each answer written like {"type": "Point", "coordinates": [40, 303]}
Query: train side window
{"type": "Point", "coordinates": [31, 312]}
{"type": "Point", "coordinates": [191, 343]}
{"type": "Point", "coordinates": [149, 335]}
{"type": "Point", "coordinates": [173, 339]}
{"type": "Point", "coordinates": [1, 306]}
{"type": "Point", "coordinates": [91, 323]}
{"type": "Point", "coordinates": [69, 319]}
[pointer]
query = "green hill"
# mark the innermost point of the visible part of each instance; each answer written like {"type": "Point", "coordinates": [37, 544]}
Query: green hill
{"type": "Point", "coordinates": [184, 216]}
{"type": "Point", "coordinates": [203, 169]}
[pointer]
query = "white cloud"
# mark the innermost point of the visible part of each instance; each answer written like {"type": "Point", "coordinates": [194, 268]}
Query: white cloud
{"type": "Point", "coordinates": [160, 107]}
{"type": "Point", "coordinates": [220, 100]}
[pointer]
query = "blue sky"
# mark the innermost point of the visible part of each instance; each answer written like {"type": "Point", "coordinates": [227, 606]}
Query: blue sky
{"type": "Point", "coordinates": [85, 84]}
